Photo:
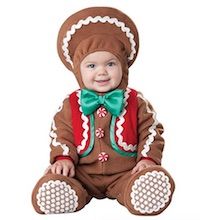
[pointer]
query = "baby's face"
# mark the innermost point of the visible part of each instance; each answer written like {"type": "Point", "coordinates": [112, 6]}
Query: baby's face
{"type": "Point", "coordinates": [101, 71]}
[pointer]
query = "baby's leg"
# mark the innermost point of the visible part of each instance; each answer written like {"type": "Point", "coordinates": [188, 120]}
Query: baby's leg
{"type": "Point", "coordinates": [54, 194]}
{"type": "Point", "coordinates": [148, 192]}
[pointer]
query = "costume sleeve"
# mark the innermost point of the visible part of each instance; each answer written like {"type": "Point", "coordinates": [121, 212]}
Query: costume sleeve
{"type": "Point", "coordinates": [62, 139]}
{"type": "Point", "coordinates": [150, 142]}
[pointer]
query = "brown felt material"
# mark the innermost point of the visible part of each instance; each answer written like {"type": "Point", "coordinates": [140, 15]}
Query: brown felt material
{"type": "Point", "coordinates": [111, 178]}
{"type": "Point", "coordinates": [82, 194]}
{"type": "Point", "coordinates": [127, 199]}
{"type": "Point", "coordinates": [98, 37]}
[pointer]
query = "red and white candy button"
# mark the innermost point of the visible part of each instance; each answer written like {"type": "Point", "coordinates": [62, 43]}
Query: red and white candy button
{"type": "Point", "coordinates": [103, 157]}
{"type": "Point", "coordinates": [101, 112]}
{"type": "Point", "coordinates": [99, 133]}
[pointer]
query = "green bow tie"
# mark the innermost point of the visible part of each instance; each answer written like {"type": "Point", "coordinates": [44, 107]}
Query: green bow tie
{"type": "Point", "coordinates": [113, 101]}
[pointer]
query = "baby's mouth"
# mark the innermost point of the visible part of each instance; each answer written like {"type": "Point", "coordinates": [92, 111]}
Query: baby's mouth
{"type": "Point", "coordinates": [102, 81]}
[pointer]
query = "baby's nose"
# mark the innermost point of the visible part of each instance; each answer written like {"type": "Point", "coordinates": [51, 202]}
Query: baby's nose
{"type": "Point", "coordinates": [102, 71]}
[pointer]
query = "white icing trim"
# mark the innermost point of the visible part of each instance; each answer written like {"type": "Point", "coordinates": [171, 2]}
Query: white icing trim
{"type": "Point", "coordinates": [56, 197]}
{"type": "Point", "coordinates": [151, 192]}
{"type": "Point", "coordinates": [96, 19]}
{"type": "Point", "coordinates": [53, 135]}
{"type": "Point", "coordinates": [120, 129]}
{"type": "Point", "coordinates": [84, 125]}
{"type": "Point", "coordinates": [152, 131]}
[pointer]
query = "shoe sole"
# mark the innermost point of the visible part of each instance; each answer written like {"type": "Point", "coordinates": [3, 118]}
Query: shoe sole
{"type": "Point", "coordinates": [151, 193]}
{"type": "Point", "coordinates": [56, 197]}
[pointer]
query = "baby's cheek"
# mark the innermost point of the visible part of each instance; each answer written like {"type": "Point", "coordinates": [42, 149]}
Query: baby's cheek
{"type": "Point", "coordinates": [86, 80]}
{"type": "Point", "coordinates": [116, 82]}
{"type": "Point", "coordinates": [90, 84]}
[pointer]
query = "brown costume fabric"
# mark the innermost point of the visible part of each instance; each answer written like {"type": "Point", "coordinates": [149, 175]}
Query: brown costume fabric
{"type": "Point", "coordinates": [91, 164]}
{"type": "Point", "coordinates": [98, 37]}
{"type": "Point", "coordinates": [110, 178]}
{"type": "Point", "coordinates": [118, 186]}
{"type": "Point", "coordinates": [83, 196]}
{"type": "Point", "coordinates": [127, 185]}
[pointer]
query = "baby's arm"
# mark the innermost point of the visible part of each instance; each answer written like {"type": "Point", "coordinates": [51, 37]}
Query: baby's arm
{"type": "Point", "coordinates": [150, 142]}
{"type": "Point", "coordinates": [63, 156]}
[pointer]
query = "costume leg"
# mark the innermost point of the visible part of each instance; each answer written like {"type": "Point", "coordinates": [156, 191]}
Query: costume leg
{"type": "Point", "coordinates": [148, 192]}
{"type": "Point", "coordinates": [55, 194]}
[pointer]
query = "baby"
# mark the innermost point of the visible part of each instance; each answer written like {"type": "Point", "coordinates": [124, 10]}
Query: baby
{"type": "Point", "coordinates": [106, 140]}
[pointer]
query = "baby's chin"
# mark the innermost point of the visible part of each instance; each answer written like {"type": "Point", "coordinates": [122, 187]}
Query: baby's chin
{"type": "Point", "coordinates": [102, 89]}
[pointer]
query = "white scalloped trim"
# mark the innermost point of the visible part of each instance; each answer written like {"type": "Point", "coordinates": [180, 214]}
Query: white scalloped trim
{"type": "Point", "coordinates": [96, 19]}
{"type": "Point", "coordinates": [55, 197]}
{"type": "Point", "coordinates": [152, 131]}
{"type": "Point", "coordinates": [119, 130]}
{"type": "Point", "coordinates": [53, 135]}
{"type": "Point", "coordinates": [151, 192]}
{"type": "Point", "coordinates": [84, 125]}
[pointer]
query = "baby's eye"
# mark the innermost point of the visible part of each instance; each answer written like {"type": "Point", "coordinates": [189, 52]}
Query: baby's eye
{"type": "Point", "coordinates": [91, 66]}
{"type": "Point", "coordinates": [111, 64]}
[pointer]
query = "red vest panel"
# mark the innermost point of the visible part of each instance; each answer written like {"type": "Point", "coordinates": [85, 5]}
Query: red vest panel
{"type": "Point", "coordinates": [123, 129]}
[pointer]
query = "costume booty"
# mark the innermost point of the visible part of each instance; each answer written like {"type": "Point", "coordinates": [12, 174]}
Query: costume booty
{"type": "Point", "coordinates": [54, 194]}
{"type": "Point", "coordinates": [149, 192]}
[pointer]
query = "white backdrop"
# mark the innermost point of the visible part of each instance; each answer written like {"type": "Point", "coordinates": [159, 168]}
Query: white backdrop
{"type": "Point", "coordinates": [33, 83]}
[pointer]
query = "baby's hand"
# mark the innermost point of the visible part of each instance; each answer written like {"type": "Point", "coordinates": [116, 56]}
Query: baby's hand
{"type": "Point", "coordinates": [64, 167]}
{"type": "Point", "coordinates": [142, 164]}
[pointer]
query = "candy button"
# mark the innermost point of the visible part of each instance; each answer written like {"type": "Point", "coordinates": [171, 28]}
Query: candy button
{"type": "Point", "coordinates": [101, 112]}
{"type": "Point", "coordinates": [103, 157]}
{"type": "Point", "coordinates": [99, 133]}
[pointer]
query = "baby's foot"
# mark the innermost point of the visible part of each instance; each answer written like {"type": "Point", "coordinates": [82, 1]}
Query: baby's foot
{"type": "Point", "coordinates": [54, 194]}
{"type": "Point", "coordinates": [150, 191]}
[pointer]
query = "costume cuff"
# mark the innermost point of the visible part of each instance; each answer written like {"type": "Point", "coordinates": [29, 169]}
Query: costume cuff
{"type": "Point", "coordinates": [64, 158]}
{"type": "Point", "coordinates": [148, 158]}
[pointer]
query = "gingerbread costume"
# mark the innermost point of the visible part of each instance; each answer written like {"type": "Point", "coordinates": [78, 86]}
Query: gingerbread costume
{"type": "Point", "coordinates": [105, 134]}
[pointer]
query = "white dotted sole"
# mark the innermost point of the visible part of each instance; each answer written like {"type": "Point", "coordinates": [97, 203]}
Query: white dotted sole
{"type": "Point", "coordinates": [56, 197]}
{"type": "Point", "coordinates": [151, 192]}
